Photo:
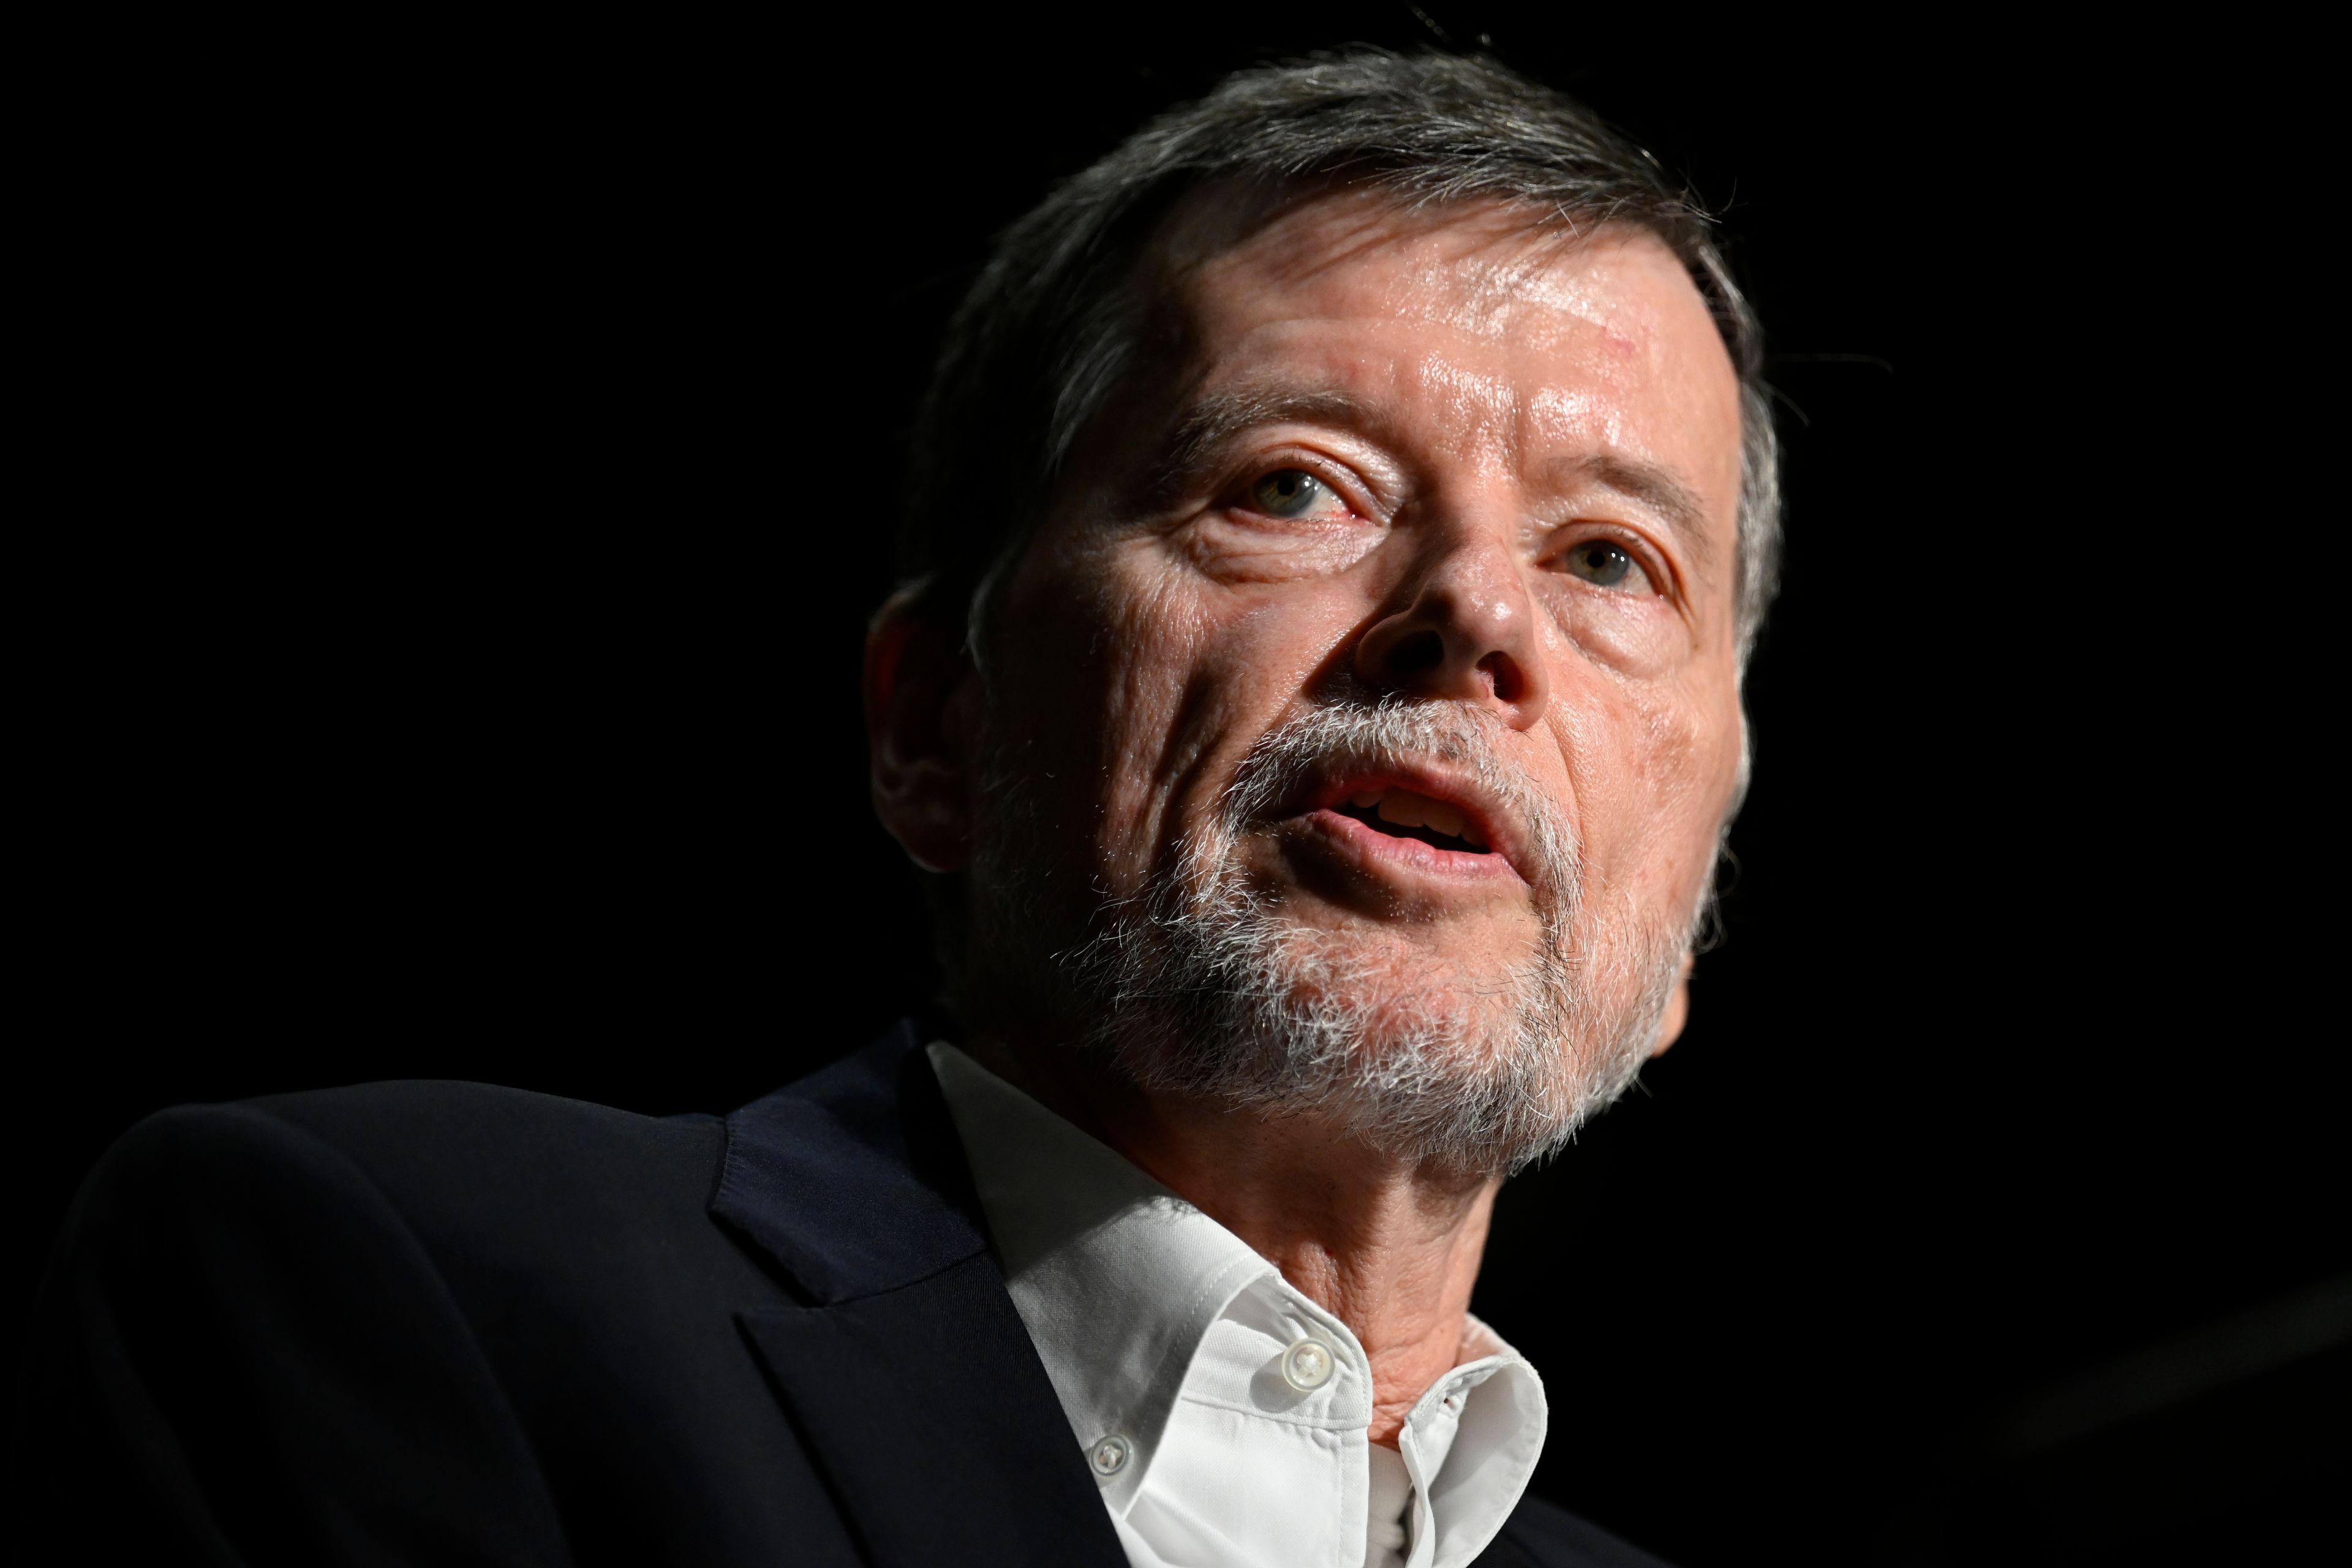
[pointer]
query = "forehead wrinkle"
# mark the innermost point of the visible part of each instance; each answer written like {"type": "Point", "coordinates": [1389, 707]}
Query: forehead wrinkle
{"type": "Point", "coordinates": [1572, 417]}
{"type": "Point", "coordinates": [1483, 256]}
{"type": "Point", "coordinates": [1508, 272]}
{"type": "Point", "coordinates": [1575, 282]}
{"type": "Point", "coordinates": [1488, 410]}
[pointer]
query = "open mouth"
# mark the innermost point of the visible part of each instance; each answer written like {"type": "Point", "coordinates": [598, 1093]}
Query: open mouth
{"type": "Point", "coordinates": [1407, 813]}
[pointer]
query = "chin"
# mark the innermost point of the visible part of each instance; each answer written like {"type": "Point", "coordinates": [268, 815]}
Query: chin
{"type": "Point", "coordinates": [1400, 997]}
{"type": "Point", "coordinates": [1376, 1037]}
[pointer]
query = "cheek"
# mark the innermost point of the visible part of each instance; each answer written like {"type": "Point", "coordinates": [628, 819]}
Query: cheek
{"type": "Point", "coordinates": [1653, 768]}
{"type": "Point", "coordinates": [1635, 635]}
{"type": "Point", "coordinates": [1206, 671]}
{"type": "Point", "coordinates": [1237, 555]}
{"type": "Point", "coordinates": [1150, 703]}
{"type": "Point", "coordinates": [1138, 690]}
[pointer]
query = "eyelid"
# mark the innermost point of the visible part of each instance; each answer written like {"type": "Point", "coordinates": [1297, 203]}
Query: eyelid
{"type": "Point", "coordinates": [1350, 486]}
{"type": "Point", "coordinates": [1656, 563]}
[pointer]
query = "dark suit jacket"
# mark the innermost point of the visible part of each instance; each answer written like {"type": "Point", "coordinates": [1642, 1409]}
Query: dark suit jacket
{"type": "Point", "coordinates": [445, 1323]}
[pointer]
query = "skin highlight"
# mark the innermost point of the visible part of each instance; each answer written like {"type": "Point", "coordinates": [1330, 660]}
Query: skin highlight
{"type": "Point", "coordinates": [1521, 453]}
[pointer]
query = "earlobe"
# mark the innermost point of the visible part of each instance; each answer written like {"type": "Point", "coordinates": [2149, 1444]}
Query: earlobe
{"type": "Point", "coordinates": [917, 719]}
{"type": "Point", "coordinates": [1670, 1027]}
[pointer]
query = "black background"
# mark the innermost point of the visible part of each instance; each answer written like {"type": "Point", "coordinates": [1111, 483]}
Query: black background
{"type": "Point", "coordinates": [468, 464]}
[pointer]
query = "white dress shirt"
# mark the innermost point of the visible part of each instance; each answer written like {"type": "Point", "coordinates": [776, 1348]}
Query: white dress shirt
{"type": "Point", "coordinates": [1224, 1415]}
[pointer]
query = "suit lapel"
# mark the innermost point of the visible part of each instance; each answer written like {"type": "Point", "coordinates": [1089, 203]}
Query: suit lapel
{"type": "Point", "coordinates": [907, 1372]}
{"type": "Point", "coordinates": [936, 1426]}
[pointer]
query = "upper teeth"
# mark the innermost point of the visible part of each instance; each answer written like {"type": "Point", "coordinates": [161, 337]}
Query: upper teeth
{"type": "Point", "coordinates": [1409, 809]}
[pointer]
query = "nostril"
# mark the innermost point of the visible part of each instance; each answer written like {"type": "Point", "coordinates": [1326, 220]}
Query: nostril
{"type": "Point", "coordinates": [1418, 654]}
{"type": "Point", "coordinates": [1503, 677]}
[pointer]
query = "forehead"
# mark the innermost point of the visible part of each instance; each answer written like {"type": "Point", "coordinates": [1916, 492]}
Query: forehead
{"type": "Point", "coordinates": [1480, 326]}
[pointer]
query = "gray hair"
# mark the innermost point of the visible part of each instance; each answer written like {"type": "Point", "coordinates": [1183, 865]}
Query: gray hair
{"type": "Point", "coordinates": [1051, 325]}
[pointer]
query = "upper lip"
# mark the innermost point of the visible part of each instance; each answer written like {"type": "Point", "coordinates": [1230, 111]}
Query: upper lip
{"type": "Point", "coordinates": [1501, 828]}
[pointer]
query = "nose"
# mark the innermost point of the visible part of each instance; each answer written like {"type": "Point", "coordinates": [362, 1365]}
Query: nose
{"type": "Point", "coordinates": [1462, 627]}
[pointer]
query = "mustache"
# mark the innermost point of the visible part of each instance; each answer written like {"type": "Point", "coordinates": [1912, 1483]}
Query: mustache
{"type": "Point", "coordinates": [1391, 733]}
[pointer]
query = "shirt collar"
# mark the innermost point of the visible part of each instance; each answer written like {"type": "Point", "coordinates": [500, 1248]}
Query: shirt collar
{"type": "Point", "coordinates": [1470, 1445]}
{"type": "Point", "coordinates": [1118, 1280]}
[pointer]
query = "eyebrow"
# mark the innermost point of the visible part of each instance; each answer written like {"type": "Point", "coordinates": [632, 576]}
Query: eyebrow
{"type": "Point", "coordinates": [1216, 418]}
{"type": "Point", "coordinates": [1657, 489]}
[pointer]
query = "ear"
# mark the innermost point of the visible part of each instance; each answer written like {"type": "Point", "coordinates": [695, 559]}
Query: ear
{"type": "Point", "coordinates": [1670, 1027]}
{"type": "Point", "coordinates": [920, 693]}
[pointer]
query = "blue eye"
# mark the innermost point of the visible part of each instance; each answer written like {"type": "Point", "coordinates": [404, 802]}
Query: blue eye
{"type": "Point", "coordinates": [1602, 563]}
{"type": "Point", "coordinates": [1291, 492]}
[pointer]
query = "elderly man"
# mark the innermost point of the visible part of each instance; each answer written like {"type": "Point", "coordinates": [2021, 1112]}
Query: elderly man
{"type": "Point", "coordinates": [1339, 521]}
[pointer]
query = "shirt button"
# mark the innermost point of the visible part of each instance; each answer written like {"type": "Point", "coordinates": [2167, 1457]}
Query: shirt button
{"type": "Point", "coordinates": [1307, 1365]}
{"type": "Point", "coordinates": [1109, 1455]}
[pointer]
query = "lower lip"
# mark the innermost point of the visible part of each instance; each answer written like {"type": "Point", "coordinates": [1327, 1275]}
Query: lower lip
{"type": "Point", "coordinates": [1384, 852]}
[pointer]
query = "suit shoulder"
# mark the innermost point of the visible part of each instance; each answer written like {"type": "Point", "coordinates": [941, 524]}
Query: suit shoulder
{"type": "Point", "coordinates": [452, 1158]}
{"type": "Point", "coordinates": [440, 1121]}
{"type": "Point", "coordinates": [1545, 1535]}
{"type": "Point", "coordinates": [466, 1153]}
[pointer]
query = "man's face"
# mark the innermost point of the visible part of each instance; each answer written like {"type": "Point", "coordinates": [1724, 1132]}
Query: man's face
{"type": "Point", "coordinates": [1389, 616]}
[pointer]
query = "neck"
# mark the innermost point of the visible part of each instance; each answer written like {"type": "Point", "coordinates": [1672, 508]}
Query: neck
{"type": "Point", "coordinates": [1389, 1249]}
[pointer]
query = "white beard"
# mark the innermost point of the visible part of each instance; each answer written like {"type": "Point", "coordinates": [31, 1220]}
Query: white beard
{"type": "Point", "coordinates": [1196, 988]}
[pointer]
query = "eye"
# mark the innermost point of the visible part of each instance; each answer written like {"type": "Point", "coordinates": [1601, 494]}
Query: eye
{"type": "Point", "coordinates": [1292, 492]}
{"type": "Point", "coordinates": [1605, 565]}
